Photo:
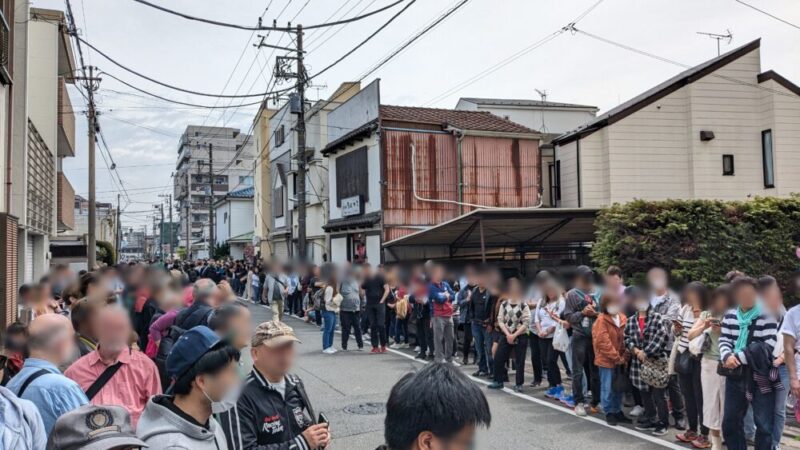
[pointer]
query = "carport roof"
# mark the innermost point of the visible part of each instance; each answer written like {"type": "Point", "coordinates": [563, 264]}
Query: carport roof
{"type": "Point", "coordinates": [507, 227]}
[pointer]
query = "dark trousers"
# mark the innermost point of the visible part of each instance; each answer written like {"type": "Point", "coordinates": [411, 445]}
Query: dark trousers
{"type": "Point", "coordinates": [655, 405]}
{"type": "Point", "coordinates": [504, 351]}
{"type": "Point", "coordinates": [483, 347]}
{"type": "Point", "coordinates": [583, 366]}
{"type": "Point", "coordinates": [297, 303]}
{"type": "Point", "coordinates": [676, 398]}
{"type": "Point", "coordinates": [350, 319]}
{"type": "Point", "coordinates": [550, 361]}
{"type": "Point", "coordinates": [364, 321]}
{"type": "Point", "coordinates": [424, 335]}
{"type": "Point", "coordinates": [735, 409]}
{"type": "Point", "coordinates": [377, 324]}
{"type": "Point", "coordinates": [466, 346]}
{"type": "Point", "coordinates": [536, 357]}
{"type": "Point", "coordinates": [692, 391]}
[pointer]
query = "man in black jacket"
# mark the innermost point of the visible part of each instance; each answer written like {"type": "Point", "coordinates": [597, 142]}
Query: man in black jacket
{"type": "Point", "coordinates": [273, 411]}
{"type": "Point", "coordinates": [481, 312]}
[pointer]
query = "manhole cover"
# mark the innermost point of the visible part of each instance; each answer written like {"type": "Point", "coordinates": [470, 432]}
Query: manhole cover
{"type": "Point", "coordinates": [366, 409]}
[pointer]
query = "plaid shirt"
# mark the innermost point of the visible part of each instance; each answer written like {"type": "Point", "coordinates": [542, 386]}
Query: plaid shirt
{"type": "Point", "coordinates": [653, 343]}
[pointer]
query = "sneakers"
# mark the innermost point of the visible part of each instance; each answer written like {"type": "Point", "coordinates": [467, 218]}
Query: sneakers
{"type": "Point", "coordinates": [567, 400]}
{"type": "Point", "coordinates": [395, 346]}
{"type": "Point", "coordinates": [375, 350]}
{"type": "Point", "coordinates": [580, 410]}
{"type": "Point", "coordinates": [479, 374]}
{"type": "Point", "coordinates": [383, 349]}
{"type": "Point", "coordinates": [646, 426]}
{"type": "Point", "coordinates": [329, 351]}
{"type": "Point", "coordinates": [637, 411]}
{"type": "Point", "coordinates": [416, 349]}
{"type": "Point", "coordinates": [687, 437]}
{"type": "Point", "coordinates": [594, 409]}
{"type": "Point", "coordinates": [554, 392]}
{"type": "Point", "coordinates": [680, 424]}
{"type": "Point", "coordinates": [701, 442]}
{"type": "Point", "coordinates": [404, 346]}
{"type": "Point", "coordinates": [518, 388]}
{"type": "Point", "coordinates": [535, 383]}
{"type": "Point", "coordinates": [360, 349]}
{"type": "Point", "coordinates": [419, 356]}
{"type": "Point", "coordinates": [622, 418]}
{"type": "Point", "coordinates": [661, 430]}
{"type": "Point", "coordinates": [495, 385]}
{"type": "Point", "coordinates": [612, 420]}
{"type": "Point", "coordinates": [454, 363]}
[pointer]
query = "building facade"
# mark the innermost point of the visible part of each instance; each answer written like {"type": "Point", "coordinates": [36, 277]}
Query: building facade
{"type": "Point", "coordinates": [198, 184]}
{"type": "Point", "coordinates": [720, 130]}
{"type": "Point", "coordinates": [235, 221]}
{"type": "Point", "coordinates": [396, 170]}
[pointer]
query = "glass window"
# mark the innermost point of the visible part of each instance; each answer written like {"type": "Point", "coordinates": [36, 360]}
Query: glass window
{"type": "Point", "coordinates": [766, 154]}
{"type": "Point", "coordinates": [727, 165]}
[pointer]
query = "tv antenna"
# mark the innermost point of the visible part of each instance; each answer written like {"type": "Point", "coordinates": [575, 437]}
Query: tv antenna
{"type": "Point", "coordinates": [543, 95]}
{"type": "Point", "coordinates": [719, 37]}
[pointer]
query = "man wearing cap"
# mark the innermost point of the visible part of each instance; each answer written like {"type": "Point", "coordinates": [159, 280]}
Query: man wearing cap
{"type": "Point", "coordinates": [273, 410]}
{"type": "Point", "coordinates": [204, 370]}
{"type": "Point", "coordinates": [93, 427]}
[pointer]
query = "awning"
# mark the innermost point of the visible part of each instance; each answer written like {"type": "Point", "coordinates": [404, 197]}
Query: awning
{"type": "Point", "coordinates": [351, 223]}
{"type": "Point", "coordinates": [505, 231]}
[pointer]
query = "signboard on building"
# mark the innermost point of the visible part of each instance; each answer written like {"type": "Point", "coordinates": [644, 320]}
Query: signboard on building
{"type": "Point", "coordinates": [352, 206]}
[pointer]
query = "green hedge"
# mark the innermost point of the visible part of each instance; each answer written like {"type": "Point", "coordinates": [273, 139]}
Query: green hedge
{"type": "Point", "coordinates": [701, 240]}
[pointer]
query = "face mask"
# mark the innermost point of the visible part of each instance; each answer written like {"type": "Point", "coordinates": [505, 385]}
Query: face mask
{"type": "Point", "coordinates": [228, 400]}
{"type": "Point", "coordinates": [613, 310]}
{"type": "Point", "coordinates": [658, 283]}
{"type": "Point", "coordinates": [642, 306]}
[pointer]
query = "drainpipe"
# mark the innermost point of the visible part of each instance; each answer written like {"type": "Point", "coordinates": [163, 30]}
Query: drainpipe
{"type": "Point", "coordinates": [460, 163]}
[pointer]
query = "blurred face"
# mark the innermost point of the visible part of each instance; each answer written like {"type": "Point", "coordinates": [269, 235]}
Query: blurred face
{"type": "Point", "coordinates": [693, 300]}
{"type": "Point", "coordinates": [274, 361]}
{"type": "Point", "coordinates": [113, 329]}
{"type": "Point", "coordinates": [773, 297]}
{"type": "Point", "coordinates": [217, 385]}
{"type": "Point", "coordinates": [240, 329]}
{"type": "Point", "coordinates": [719, 304]}
{"type": "Point", "coordinates": [613, 307]}
{"type": "Point", "coordinates": [66, 347]}
{"type": "Point", "coordinates": [169, 299]}
{"type": "Point", "coordinates": [613, 281]}
{"type": "Point", "coordinates": [515, 289]}
{"type": "Point", "coordinates": [745, 296]}
{"type": "Point", "coordinates": [657, 279]}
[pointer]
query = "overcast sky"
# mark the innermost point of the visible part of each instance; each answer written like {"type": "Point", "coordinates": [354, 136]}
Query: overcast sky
{"type": "Point", "coordinates": [144, 133]}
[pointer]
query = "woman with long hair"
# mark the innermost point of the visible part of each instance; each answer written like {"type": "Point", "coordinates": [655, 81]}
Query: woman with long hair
{"type": "Point", "coordinates": [330, 307]}
{"type": "Point", "coordinates": [550, 306]}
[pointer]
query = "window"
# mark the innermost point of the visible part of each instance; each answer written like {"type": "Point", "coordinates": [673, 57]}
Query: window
{"type": "Point", "coordinates": [352, 175]}
{"type": "Point", "coordinates": [727, 165]}
{"type": "Point", "coordinates": [280, 136]}
{"type": "Point", "coordinates": [277, 202]}
{"type": "Point", "coordinates": [246, 181]}
{"type": "Point", "coordinates": [558, 181]}
{"type": "Point", "coordinates": [768, 160]}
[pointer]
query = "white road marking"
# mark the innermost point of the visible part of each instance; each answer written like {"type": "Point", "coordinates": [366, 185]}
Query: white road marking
{"type": "Point", "coordinates": [551, 405]}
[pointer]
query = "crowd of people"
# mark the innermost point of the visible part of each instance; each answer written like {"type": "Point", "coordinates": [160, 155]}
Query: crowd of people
{"type": "Point", "coordinates": [150, 354]}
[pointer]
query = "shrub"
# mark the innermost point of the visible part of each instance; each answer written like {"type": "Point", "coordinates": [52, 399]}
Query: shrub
{"type": "Point", "coordinates": [701, 240]}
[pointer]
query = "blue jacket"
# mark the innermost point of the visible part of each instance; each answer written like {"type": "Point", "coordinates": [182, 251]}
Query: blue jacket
{"type": "Point", "coordinates": [21, 426]}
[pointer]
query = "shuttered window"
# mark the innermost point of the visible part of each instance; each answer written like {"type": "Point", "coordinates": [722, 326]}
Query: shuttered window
{"type": "Point", "coordinates": [352, 175]}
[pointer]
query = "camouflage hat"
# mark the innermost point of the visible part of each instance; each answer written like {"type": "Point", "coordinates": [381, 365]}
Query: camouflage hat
{"type": "Point", "coordinates": [272, 334]}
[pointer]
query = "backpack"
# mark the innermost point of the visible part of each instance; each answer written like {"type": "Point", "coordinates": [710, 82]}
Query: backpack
{"type": "Point", "coordinates": [317, 298]}
{"type": "Point", "coordinates": [164, 348]}
{"type": "Point", "coordinates": [276, 290]}
{"type": "Point", "coordinates": [401, 307]}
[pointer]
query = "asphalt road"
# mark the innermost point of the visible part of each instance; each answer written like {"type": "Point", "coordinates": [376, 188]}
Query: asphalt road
{"type": "Point", "coordinates": [351, 388]}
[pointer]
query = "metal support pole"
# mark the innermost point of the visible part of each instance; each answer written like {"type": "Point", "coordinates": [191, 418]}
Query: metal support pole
{"type": "Point", "coordinates": [483, 241]}
{"type": "Point", "coordinates": [91, 250]}
{"type": "Point", "coordinates": [301, 147]}
{"type": "Point", "coordinates": [211, 241]}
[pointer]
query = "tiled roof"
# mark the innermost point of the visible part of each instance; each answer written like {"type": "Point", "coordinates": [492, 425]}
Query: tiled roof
{"type": "Point", "coordinates": [347, 223]}
{"type": "Point", "coordinates": [248, 192]}
{"type": "Point", "coordinates": [523, 103]}
{"type": "Point", "coordinates": [465, 120]}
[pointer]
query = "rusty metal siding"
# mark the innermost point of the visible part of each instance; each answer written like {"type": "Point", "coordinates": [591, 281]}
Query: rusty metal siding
{"type": "Point", "coordinates": [500, 172]}
{"type": "Point", "coordinates": [436, 177]}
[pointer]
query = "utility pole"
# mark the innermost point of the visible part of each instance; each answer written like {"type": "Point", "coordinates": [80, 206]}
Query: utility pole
{"type": "Point", "coordinates": [160, 206]}
{"type": "Point", "coordinates": [211, 241]}
{"type": "Point", "coordinates": [169, 246]}
{"type": "Point", "coordinates": [91, 83]}
{"type": "Point", "coordinates": [301, 146]}
{"type": "Point", "coordinates": [188, 198]}
{"type": "Point", "coordinates": [118, 240]}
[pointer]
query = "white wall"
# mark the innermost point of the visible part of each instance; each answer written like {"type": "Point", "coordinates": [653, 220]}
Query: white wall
{"type": "Point", "coordinates": [374, 174]}
{"type": "Point", "coordinates": [338, 250]}
{"type": "Point", "coordinates": [546, 120]}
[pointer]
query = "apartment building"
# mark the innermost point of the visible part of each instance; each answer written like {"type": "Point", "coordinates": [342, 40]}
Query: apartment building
{"type": "Point", "coordinates": [724, 129]}
{"type": "Point", "coordinates": [8, 221]}
{"type": "Point", "coordinates": [212, 161]}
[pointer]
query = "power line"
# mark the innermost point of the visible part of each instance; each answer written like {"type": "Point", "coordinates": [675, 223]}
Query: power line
{"type": "Point", "coordinates": [263, 28]}
{"type": "Point", "coordinates": [768, 14]}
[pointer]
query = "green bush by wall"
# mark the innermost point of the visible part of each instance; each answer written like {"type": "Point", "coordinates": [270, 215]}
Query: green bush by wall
{"type": "Point", "coordinates": [701, 240]}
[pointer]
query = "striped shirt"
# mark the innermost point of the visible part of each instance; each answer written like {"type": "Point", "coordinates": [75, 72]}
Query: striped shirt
{"type": "Point", "coordinates": [687, 322]}
{"type": "Point", "coordinates": [763, 329]}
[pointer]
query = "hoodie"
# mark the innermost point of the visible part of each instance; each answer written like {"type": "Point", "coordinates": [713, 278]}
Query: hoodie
{"type": "Point", "coordinates": [163, 429]}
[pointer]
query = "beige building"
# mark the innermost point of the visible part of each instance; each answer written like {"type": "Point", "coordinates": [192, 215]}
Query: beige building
{"type": "Point", "coordinates": [724, 129]}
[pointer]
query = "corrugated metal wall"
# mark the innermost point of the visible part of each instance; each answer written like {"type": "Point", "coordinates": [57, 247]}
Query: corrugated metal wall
{"type": "Point", "coordinates": [500, 172]}
{"type": "Point", "coordinates": [496, 171]}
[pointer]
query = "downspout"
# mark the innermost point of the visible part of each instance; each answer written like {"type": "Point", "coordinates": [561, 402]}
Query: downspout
{"type": "Point", "coordinates": [450, 202]}
{"type": "Point", "coordinates": [460, 167]}
{"type": "Point", "coordinates": [578, 167]}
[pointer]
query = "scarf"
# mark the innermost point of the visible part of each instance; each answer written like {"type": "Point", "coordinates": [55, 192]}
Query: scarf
{"type": "Point", "coordinates": [745, 319]}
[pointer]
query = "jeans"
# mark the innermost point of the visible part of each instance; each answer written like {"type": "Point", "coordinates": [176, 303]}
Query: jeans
{"type": "Point", "coordinates": [780, 406]}
{"type": "Point", "coordinates": [676, 398]}
{"type": "Point", "coordinates": [329, 319]}
{"type": "Point", "coordinates": [536, 357]}
{"type": "Point", "coordinates": [425, 335]}
{"type": "Point", "coordinates": [550, 361]}
{"type": "Point", "coordinates": [399, 329]}
{"type": "Point", "coordinates": [504, 351]}
{"type": "Point", "coordinates": [256, 294]}
{"type": "Point", "coordinates": [483, 347]}
{"type": "Point", "coordinates": [583, 365]}
{"type": "Point", "coordinates": [655, 405]}
{"type": "Point", "coordinates": [692, 390]}
{"type": "Point", "coordinates": [443, 335]}
{"type": "Point", "coordinates": [351, 319]}
{"type": "Point", "coordinates": [376, 315]}
{"type": "Point", "coordinates": [611, 400]}
{"type": "Point", "coordinates": [735, 409]}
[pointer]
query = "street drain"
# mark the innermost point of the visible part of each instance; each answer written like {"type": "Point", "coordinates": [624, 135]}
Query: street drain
{"type": "Point", "coordinates": [366, 409]}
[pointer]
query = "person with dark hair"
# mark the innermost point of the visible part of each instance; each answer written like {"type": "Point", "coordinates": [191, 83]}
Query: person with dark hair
{"type": "Point", "coordinates": [609, 354]}
{"type": "Point", "coordinates": [772, 297]}
{"type": "Point", "coordinates": [273, 411]}
{"type": "Point", "coordinates": [376, 290]}
{"type": "Point", "coordinates": [695, 301]}
{"type": "Point", "coordinates": [15, 349]}
{"type": "Point", "coordinates": [231, 321]}
{"type": "Point", "coordinates": [746, 343]}
{"type": "Point", "coordinates": [435, 408]}
{"type": "Point", "coordinates": [513, 319]}
{"type": "Point", "coordinates": [580, 310]}
{"type": "Point", "coordinates": [204, 369]}
{"type": "Point", "coordinates": [82, 316]}
{"type": "Point", "coordinates": [481, 316]}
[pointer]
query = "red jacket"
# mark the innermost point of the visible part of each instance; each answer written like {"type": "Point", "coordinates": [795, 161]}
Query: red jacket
{"type": "Point", "coordinates": [607, 338]}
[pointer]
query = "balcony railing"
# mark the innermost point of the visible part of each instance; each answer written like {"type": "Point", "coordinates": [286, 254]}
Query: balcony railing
{"type": "Point", "coordinates": [66, 121]}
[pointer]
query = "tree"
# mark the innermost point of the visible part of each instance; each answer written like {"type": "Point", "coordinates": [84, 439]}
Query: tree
{"type": "Point", "coordinates": [106, 253]}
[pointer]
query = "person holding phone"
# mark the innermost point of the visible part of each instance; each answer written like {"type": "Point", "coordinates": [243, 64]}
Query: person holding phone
{"type": "Point", "coordinates": [513, 320]}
